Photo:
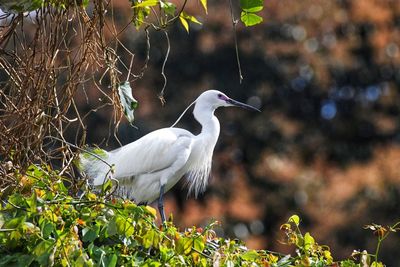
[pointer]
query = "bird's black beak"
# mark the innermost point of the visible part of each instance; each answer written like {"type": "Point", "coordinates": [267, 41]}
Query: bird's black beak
{"type": "Point", "coordinates": [242, 105]}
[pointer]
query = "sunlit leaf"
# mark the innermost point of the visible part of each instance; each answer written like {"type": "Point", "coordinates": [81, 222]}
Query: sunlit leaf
{"type": "Point", "coordinates": [185, 18]}
{"type": "Point", "coordinates": [168, 7]}
{"type": "Point", "coordinates": [252, 5]}
{"type": "Point", "coordinates": [190, 18]}
{"type": "Point", "coordinates": [148, 238]}
{"type": "Point", "coordinates": [377, 264]}
{"type": "Point", "coordinates": [250, 255]}
{"type": "Point", "coordinates": [151, 210]}
{"type": "Point", "coordinates": [91, 196]}
{"type": "Point", "coordinates": [15, 222]}
{"type": "Point", "coordinates": [128, 103]}
{"type": "Point", "coordinates": [308, 241]}
{"type": "Point", "coordinates": [184, 245]}
{"type": "Point", "coordinates": [15, 235]}
{"type": "Point", "coordinates": [146, 3]}
{"type": "Point", "coordinates": [250, 19]}
{"type": "Point", "coordinates": [139, 16]}
{"type": "Point", "coordinates": [124, 226]}
{"type": "Point", "coordinates": [107, 185]}
{"type": "Point", "coordinates": [198, 244]}
{"type": "Point", "coordinates": [295, 219]}
{"type": "Point", "coordinates": [328, 256]}
{"type": "Point", "coordinates": [184, 23]}
{"type": "Point", "coordinates": [204, 4]}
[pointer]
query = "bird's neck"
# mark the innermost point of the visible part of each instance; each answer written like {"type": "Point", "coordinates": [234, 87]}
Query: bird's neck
{"type": "Point", "coordinates": [204, 114]}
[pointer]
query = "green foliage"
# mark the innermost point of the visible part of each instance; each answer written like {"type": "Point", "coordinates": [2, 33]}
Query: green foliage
{"type": "Point", "coordinates": [42, 225]}
{"type": "Point", "coordinates": [185, 18]}
{"type": "Point", "coordinates": [17, 6]}
{"type": "Point", "coordinates": [142, 9]}
{"type": "Point", "coordinates": [249, 10]}
{"type": "Point", "coordinates": [168, 13]}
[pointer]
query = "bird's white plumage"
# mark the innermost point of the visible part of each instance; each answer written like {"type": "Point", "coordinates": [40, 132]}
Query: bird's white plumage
{"type": "Point", "coordinates": [161, 158]}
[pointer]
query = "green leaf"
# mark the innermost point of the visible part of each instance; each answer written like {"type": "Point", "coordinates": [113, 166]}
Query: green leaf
{"type": "Point", "coordinates": [308, 241]}
{"type": "Point", "coordinates": [90, 233]}
{"type": "Point", "coordinates": [111, 260]}
{"type": "Point", "coordinates": [31, 202]}
{"type": "Point", "coordinates": [250, 255]}
{"type": "Point", "coordinates": [16, 259]}
{"type": "Point", "coordinates": [107, 185]}
{"type": "Point", "coordinates": [47, 229]}
{"type": "Point", "coordinates": [190, 18]}
{"type": "Point", "coordinates": [128, 103]}
{"type": "Point", "coordinates": [43, 251]}
{"type": "Point", "coordinates": [124, 226]}
{"type": "Point", "coordinates": [252, 5]}
{"type": "Point", "coordinates": [295, 219]}
{"type": "Point", "coordinates": [184, 245]}
{"type": "Point", "coordinates": [139, 15]}
{"type": "Point", "coordinates": [184, 18]}
{"type": "Point", "coordinates": [250, 19]}
{"type": "Point", "coordinates": [204, 4]}
{"type": "Point", "coordinates": [17, 6]}
{"type": "Point", "coordinates": [198, 244]}
{"type": "Point", "coordinates": [43, 247]}
{"type": "Point", "coordinates": [148, 238]}
{"type": "Point", "coordinates": [15, 222]}
{"type": "Point", "coordinates": [15, 235]}
{"type": "Point", "coordinates": [168, 7]}
{"type": "Point", "coordinates": [112, 228]}
{"type": "Point", "coordinates": [146, 3]}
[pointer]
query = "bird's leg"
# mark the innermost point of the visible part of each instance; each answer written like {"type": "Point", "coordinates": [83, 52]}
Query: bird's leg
{"type": "Point", "coordinates": [161, 204]}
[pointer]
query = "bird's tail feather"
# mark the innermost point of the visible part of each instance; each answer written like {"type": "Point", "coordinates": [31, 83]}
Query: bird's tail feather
{"type": "Point", "coordinates": [94, 163]}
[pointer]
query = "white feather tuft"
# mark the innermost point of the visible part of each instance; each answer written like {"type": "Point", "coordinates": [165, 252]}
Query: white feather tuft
{"type": "Point", "coordinates": [198, 180]}
{"type": "Point", "coordinates": [199, 172]}
{"type": "Point", "coordinates": [94, 164]}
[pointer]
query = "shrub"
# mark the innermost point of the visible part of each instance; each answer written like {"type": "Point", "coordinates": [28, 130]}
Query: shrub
{"type": "Point", "coordinates": [41, 224]}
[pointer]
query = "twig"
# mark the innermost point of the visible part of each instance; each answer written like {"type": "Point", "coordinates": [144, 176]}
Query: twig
{"type": "Point", "coordinates": [234, 23]}
{"type": "Point", "coordinates": [161, 95]}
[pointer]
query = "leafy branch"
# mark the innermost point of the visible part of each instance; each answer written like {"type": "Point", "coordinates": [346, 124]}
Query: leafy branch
{"type": "Point", "coordinates": [41, 224]}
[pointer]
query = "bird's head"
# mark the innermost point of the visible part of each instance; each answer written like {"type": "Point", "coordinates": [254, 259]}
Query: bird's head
{"type": "Point", "coordinates": [216, 99]}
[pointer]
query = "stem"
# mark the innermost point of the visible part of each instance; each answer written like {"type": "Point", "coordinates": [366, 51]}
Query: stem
{"type": "Point", "coordinates": [161, 95]}
{"type": "Point", "coordinates": [234, 22]}
{"type": "Point", "coordinates": [378, 247]}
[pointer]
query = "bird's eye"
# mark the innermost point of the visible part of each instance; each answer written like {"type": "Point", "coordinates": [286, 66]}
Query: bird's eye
{"type": "Point", "coordinates": [219, 95]}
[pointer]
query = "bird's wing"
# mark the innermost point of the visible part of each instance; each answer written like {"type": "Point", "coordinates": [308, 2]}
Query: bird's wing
{"type": "Point", "coordinates": [151, 153]}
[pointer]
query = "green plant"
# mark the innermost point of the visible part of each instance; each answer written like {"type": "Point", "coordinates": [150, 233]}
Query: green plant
{"type": "Point", "coordinates": [309, 252]}
{"type": "Point", "coordinates": [382, 232]}
{"type": "Point", "coordinates": [41, 224]}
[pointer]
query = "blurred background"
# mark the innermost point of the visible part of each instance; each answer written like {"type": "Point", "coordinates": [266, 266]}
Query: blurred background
{"type": "Point", "coordinates": [326, 146]}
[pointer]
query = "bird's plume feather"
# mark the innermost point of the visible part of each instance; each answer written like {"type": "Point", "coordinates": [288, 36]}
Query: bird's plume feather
{"type": "Point", "coordinates": [198, 179]}
{"type": "Point", "coordinates": [183, 113]}
{"type": "Point", "coordinates": [199, 172]}
{"type": "Point", "coordinates": [94, 163]}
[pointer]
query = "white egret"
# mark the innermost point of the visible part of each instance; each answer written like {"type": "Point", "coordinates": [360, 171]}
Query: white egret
{"type": "Point", "coordinates": [152, 165]}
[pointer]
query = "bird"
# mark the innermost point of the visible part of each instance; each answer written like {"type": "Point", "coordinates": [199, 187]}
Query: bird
{"type": "Point", "coordinates": [150, 166]}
